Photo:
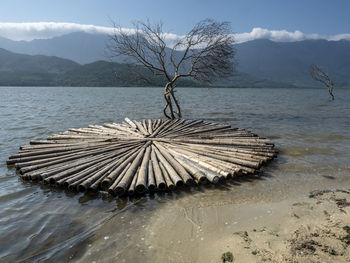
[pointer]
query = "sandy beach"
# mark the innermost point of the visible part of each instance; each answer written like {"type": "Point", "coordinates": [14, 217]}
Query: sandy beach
{"type": "Point", "coordinates": [315, 229]}
{"type": "Point", "coordinates": [312, 228]}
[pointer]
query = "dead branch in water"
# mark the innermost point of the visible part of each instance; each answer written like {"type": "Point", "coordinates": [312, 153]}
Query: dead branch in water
{"type": "Point", "coordinates": [319, 75]}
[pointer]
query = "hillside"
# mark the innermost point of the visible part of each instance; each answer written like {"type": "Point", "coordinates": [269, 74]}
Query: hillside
{"type": "Point", "coordinates": [80, 47]}
{"type": "Point", "coordinates": [244, 80]}
{"type": "Point", "coordinates": [289, 62]}
{"type": "Point", "coordinates": [107, 74]}
{"type": "Point", "coordinates": [281, 62]}
{"type": "Point", "coordinates": [26, 70]}
{"type": "Point", "coordinates": [39, 70]}
{"type": "Point", "coordinates": [12, 62]}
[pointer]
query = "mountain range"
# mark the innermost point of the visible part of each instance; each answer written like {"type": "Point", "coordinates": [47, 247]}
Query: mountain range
{"type": "Point", "coordinates": [82, 59]}
{"type": "Point", "coordinates": [39, 70]}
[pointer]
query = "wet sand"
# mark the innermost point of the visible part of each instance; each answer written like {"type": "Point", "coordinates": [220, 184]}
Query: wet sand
{"type": "Point", "coordinates": [305, 229]}
{"type": "Point", "coordinates": [201, 226]}
{"type": "Point", "coordinates": [314, 229]}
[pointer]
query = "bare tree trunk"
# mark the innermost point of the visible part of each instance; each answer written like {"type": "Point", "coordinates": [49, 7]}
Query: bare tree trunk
{"type": "Point", "coordinates": [178, 110]}
{"type": "Point", "coordinates": [164, 111]}
{"type": "Point", "coordinates": [168, 103]}
{"type": "Point", "coordinates": [330, 90]}
{"type": "Point", "coordinates": [169, 96]}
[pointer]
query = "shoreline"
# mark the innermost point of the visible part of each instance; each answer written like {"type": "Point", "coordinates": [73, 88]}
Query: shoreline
{"type": "Point", "coordinates": [315, 229]}
{"type": "Point", "coordinates": [309, 228]}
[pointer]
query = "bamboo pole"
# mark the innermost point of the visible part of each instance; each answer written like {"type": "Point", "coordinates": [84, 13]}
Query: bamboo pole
{"type": "Point", "coordinates": [169, 127]}
{"type": "Point", "coordinates": [149, 126]}
{"type": "Point", "coordinates": [34, 165]}
{"type": "Point", "coordinates": [151, 182]}
{"type": "Point", "coordinates": [156, 131]}
{"type": "Point", "coordinates": [199, 176]}
{"type": "Point", "coordinates": [141, 182]}
{"type": "Point", "coordinates": [53, 154]}
{"type": "Point", "coordinates": [236, 160]}
{"type": "Point", "coordinates": [75, 165]}
{"type": "Point", "coordinates": [86, 172]}
{"type": "Point", "coordinates": [251, 156]}
{"type": "Point", "coordinates": [170, 170]}
{"type": "Point", "coordinates": [160, 182]}
{"type": "Point", "coordinates": [145, 127]}
{"type": "Point", "coordinates": [132, 186]}
{"type": "Point", "coordinates": [52, 177]}
{"type": "Point", "coordinates": [201, 166]}
{"type": "Point", "coordinates": [170, 184]}
{"type": "Point", "coordinates": [197, 159]}
{"type": "Point", "coordinates": [141, 128]}
{"type": "Point", "coordinates": [131, 123]}
{"type": "Point", "coordinates": [106, 170]}
{"type": "Point", "coordinates": [187, 125]}
{"type": "Point", "coordinates": [155, 125]}
{"type": "Point", "coordinates": [105, 184]}
{"type": "Point", "coordinates": [127, 178]}
{"type": "Point", "coordinates": [112, 188]}
{"type": "Point", "coordinates": [176, 165]}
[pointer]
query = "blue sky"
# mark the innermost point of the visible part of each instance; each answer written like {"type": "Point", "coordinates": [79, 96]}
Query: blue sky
{"type": "Point", "coordinates": [324, 17]}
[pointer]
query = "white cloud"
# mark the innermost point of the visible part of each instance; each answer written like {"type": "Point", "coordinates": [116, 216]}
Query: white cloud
{"type": "Point", "coordinates": [284, 36]}
{"type": "Point", "coordinates": [275, 35]}
{"type": "Point", "coordinates": [339, 37]}
{"type": "Point", "coordinates": [43, 30]}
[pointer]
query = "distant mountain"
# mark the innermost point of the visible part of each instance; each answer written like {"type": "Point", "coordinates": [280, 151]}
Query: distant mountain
{"type": "Point", "coordinates": [12, 62]}
{"type": "Point", "coordinates": [39, 70]}
{"type": "Point", "coordinates": [244, 80]}
{"type": "Point", "coordinates": [290, 62]}
{"type": "Point", "coordinates": [108, 74]}
{"type": "Point", "coordinates": [80, 47]}
{"type": "Point", "coordinates": [277, 62]}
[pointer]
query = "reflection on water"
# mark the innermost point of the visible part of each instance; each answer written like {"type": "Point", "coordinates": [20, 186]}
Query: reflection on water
{"type": "Point", "coordinates": [42, 223]}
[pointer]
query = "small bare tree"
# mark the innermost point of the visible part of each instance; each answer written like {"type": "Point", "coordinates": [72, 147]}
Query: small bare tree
{"type": "Point", "coordinates": [319, 75]}
{"type": "Point", "coordinates": [204, 54]}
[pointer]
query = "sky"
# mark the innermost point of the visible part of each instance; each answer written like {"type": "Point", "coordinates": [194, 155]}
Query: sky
{"type": "Point", "coordinates": [311, 18]}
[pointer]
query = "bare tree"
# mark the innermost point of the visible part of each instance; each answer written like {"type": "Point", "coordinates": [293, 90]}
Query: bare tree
{"type": "Point", "coordinates": [204, 54]}
{"type": "Point", "coordinates": [319, 75]}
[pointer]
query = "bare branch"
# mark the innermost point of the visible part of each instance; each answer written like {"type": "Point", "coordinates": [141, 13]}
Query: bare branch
{"type": "Point", "coordinates": [204, 54]}
{"type": "Point", "coordinates": [319, 75]}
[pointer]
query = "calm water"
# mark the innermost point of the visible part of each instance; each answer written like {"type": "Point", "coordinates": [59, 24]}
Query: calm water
{"type": "Point", "coordinates": [38, 223]}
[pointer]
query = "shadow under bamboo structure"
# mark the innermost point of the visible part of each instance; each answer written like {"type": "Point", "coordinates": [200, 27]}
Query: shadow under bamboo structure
{"type": "Point", "coordinates": [143, 156]}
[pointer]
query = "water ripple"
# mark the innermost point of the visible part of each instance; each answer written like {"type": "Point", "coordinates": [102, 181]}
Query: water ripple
{"type": "Point", "coordinates": [39, 223]}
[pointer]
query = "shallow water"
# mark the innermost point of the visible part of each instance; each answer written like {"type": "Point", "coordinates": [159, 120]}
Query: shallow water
{"type": "Point", "coordinates": [38, 223]}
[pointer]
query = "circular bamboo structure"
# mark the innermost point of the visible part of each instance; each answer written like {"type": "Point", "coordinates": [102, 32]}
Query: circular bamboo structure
{"type": "Point", "coordinates": [150, 155]}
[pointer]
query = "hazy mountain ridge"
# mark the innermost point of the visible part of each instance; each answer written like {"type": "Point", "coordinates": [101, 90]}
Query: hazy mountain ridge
{"type": "Point", "coordinates": [13, 62]}
{"type": "Point", "coordinates": [80, 47]}
{"type": "Point", "coordinates": [27, 70]}
{"type": "Point", "coordinates": [109, 74]}
{"type": "Point", "coordinates": [38, 70]}
{"type": "Point", "coordinates": [259, 62]}
{"type": "Point", "coordinates": [290, 61]}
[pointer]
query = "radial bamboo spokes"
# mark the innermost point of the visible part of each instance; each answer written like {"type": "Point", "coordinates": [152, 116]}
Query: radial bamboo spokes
{"type": "Point", "coordinates": [139, 156]}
